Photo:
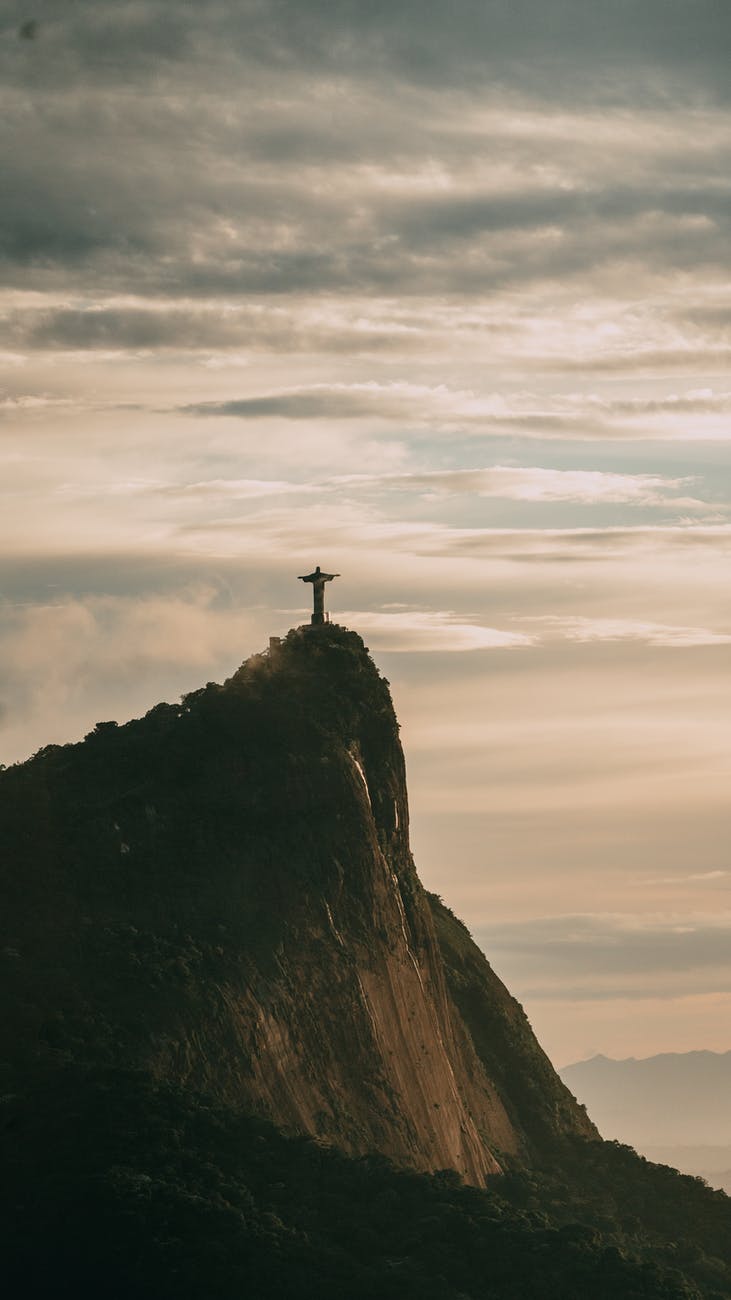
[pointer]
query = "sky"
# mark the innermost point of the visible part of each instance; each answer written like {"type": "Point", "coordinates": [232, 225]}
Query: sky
{"type": "Point", "coordinates": [435, 296]}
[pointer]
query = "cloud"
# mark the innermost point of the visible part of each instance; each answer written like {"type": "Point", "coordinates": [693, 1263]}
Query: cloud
{"type": "Point", "coordinates": [537, 484]}
{"type": "Point", "coordinates": [221, 326]}
{"type": "Point", "coordinates": [237, 489]}
{"type": "Point", "coordinates": [32, 403]}
{"type": "Point", "coordinates": [429, 630]}
{"type": "Point", "coordinates": [573, 416]}
{"type": "Point", "coordinates": [649, 560]}
{"type": "Point", "coordinates": [627, 629]}
{"type": "Point", "coordinates": [136, 328]}
{"type": "Point", "coordinates": [690, 879]}
{"type": "Point", "coordinates": [695, 401]}
{"type": "Point", "coordinates": [603, 956]}
{"type": "Point", "coordinates": [66, 662]}
{"type": "Point", "coordinates": [574, 545]}
{"type": "Point", "coordinates": [316, 403]}
{"type": "Point", "coordinates": [692, 357]}
{"type": "Point", "coordinates": [523, 44]}
{"type": "Point", "coordinates": [527, 484]}
{"type": "Point", "coordinates": [415, 210]}
{"type": "Point", "coordinates": [117, 635]}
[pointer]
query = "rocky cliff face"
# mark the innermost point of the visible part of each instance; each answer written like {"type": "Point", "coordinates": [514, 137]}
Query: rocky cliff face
{"type": "Point", "coordinates": [223, 893]}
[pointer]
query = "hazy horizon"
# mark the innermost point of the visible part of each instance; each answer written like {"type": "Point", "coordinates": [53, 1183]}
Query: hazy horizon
{"type": "Point", "coordinates": [438, 299]}
{"type": "Point", "coordinates": [703, 1051]}
{"type": "Point", "coordinates": [673, 1108]}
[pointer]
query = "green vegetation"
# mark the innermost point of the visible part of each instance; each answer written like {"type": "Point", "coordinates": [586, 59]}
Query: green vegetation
{"type": "Point", "coordinates": [118, 1186]}
{"type": "Point", "coordinates": [636, 1206]}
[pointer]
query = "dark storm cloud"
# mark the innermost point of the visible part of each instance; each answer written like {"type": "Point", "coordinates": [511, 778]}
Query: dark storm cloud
{"type": "Point", "coordinates": [199, 160]}
{"type": "Point", "coordinates": [66, 200]}
{"type": "Point", "coordinates": [142, 228]}
{"type": "Point", "coordinates": [101, 36]}
{"type": "Point", "coordinates": [594, 225]}
{"type": "Point", "coordinates": [463, 217]}
{"type": "Point", "coordinates": [528, 43]}
{"type": "Point", "coordinates": [86, 210]}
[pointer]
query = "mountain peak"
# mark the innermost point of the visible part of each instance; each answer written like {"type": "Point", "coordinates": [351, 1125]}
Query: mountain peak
{"type": "Point", "coordinates": [222, 892]}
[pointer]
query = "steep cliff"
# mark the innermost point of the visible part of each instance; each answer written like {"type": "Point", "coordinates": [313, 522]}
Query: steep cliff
{"type": "Point", "coordinates": [226, 997]}
{"type": "Point", "coordinates": [222, 893]}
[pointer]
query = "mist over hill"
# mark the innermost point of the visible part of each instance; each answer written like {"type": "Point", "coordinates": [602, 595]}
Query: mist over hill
{"type": "Point", "coordinates": [674, 1107]}
{"type": "Point", "coordinates": [242, 1047]}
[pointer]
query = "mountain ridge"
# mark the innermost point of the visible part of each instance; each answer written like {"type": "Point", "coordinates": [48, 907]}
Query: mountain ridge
{"type": "Point", "coordinates": [698, 1052]}
{"type": "Point", "coordinates": [673, 1107]}
{"type": "Point", "coordinates": [241, 1047]}
{"type": "Point", "coordinates": [237, 869]}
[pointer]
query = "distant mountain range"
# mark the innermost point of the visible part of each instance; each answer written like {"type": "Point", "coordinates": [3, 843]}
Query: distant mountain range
{"type": "Point", "coordinates": [674, 1108]}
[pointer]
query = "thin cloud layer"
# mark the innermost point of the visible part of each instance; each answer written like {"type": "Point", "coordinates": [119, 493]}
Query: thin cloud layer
{"type": "Point", "coordinates": [534, 483]}
{"type": "Point", "coordinates": [626, 956]}
{"type": "Point", "coordinates": [695, 414]}
{"type": "Point", "coordinates": [429, 630]}
{"type": "Point", "coordinates": [656, 634]}
{"type": "Point", "coordinates": [597, 981]}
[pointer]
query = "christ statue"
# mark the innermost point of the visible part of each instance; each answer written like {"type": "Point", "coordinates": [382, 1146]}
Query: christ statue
{"type": "Point", "coordinates": [318, 580]}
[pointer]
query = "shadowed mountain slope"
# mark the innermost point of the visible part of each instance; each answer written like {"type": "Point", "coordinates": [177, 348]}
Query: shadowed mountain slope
{"type": "Point", "coordinates": [223, 893]}
{"type": "Point", "coordinates": [212, 925]}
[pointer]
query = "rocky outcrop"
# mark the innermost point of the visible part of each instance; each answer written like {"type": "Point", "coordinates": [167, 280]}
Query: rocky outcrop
{"type": "Point", "coordinates": [223, 893]}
